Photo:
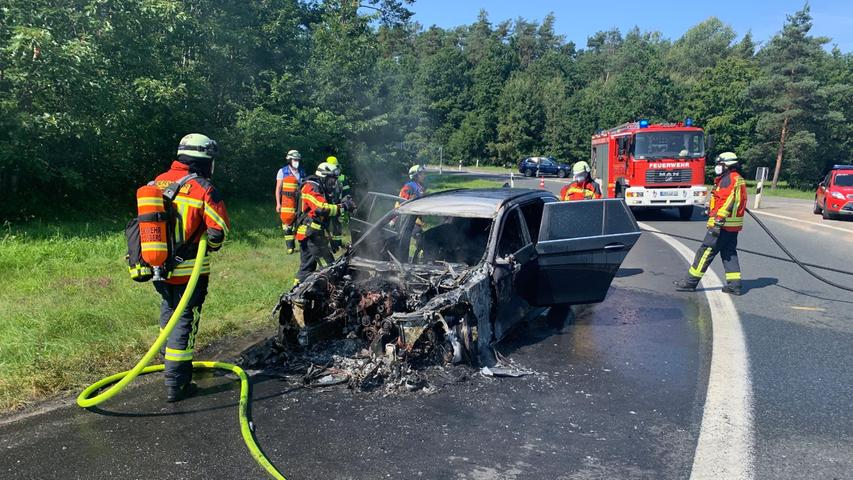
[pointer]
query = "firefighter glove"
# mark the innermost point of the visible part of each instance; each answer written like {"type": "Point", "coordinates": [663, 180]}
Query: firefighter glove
{"type": "Point", "coordinates": [715, 230]}
{"type": "Point", "coordinates": [348, 204]}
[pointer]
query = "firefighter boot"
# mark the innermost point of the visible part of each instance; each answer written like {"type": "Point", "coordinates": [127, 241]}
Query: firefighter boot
{"type": "Point", "coordinates": [685, 285]}
{"type": "Point", "coordinates": [732, 289]}
{"type": "Point", "coordinates": [177, 393]}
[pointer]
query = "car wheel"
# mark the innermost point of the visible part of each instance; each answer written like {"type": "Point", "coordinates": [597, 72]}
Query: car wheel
{"type": "Point", "coordinates": [561, 173]}
{"type": "Point", "coordinates": [827, 215]}
{"type": "Point", "coordinates": [685, 213]}
{"type": "Point", "coordinates": [528, 172]}
{"type": "Point", "coordinates": [817, 210]}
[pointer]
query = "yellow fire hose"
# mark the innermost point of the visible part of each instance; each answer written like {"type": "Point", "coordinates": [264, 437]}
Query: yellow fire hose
{"type": "Point", "coordinates": [122, 379]}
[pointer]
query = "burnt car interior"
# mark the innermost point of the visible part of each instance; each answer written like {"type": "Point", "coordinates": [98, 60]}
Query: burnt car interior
{"type": "Point", "coordinates": [454, 272]}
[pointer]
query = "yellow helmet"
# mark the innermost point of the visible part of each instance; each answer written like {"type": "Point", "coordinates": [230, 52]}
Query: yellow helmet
{"type": "Point", "coordinates": [332, 160]}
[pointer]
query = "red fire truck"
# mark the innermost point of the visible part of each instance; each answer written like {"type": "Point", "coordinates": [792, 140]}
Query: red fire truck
{"type": "Point", "coordinates": [659, 165]}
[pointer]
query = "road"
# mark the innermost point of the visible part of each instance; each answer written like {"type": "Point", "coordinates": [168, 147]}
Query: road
{"type": "Point", "coordinates": [621, 390]}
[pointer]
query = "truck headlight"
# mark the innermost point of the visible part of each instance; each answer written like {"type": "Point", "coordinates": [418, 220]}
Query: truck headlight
{"type": "Point", "coordinates": [837, 195]}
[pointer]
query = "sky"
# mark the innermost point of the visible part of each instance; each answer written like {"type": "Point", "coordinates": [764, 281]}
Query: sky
{"type": "Point", "coordinates": [577, 20]}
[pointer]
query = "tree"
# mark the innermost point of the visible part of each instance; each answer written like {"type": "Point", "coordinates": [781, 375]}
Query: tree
{"type": "Point", "coordinates": [786, 97]}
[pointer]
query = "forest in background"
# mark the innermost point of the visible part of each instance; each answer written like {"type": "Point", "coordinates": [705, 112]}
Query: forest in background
{"type": "Point", "coordinates": [95, 94]}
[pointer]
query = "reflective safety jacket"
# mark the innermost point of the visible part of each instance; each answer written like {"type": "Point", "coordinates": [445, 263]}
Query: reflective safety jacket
{"type": "Point", "coordinates": [289, 192]}
{"type": "Point", "coordinates": [728, 202]}
{"type": "Point", "coordinates": [316, 209]}
{"type": "Point", "coordinates": [580, 191]}
{"type": "Point", "coordinates": [412, 190]}
{"type": "Point", "coordinates": [199, 209]}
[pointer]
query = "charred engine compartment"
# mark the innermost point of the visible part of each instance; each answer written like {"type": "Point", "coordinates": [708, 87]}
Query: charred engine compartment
{"type": "Point", "coordinates": [411, 313]}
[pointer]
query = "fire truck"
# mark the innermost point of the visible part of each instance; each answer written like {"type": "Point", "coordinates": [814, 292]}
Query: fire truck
{"type": "Point", "coordinates": [652, 165]}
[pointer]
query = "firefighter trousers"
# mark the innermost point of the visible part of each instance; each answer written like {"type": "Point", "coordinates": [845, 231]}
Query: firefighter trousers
{"type": "Point", "coordinates": [289, 237]}
{"type": "Point", "coordinates": [726, 245]}
{"type": "Point", "coordinates": [314, 251]}
{"type": "Point", "coordinates": [178, 351]}
{"type": "Point", "coordinates": [336, 230]}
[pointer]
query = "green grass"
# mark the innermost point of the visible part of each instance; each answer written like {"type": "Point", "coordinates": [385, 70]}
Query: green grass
{"type": "Point", "coordinates": [71, 314]}
{"type": "Point", "coordinates": [484, 168]}
{"type": "Point", "coordinates": [782, 190]}
{"type": "Point", "coordinates": [437, 183]}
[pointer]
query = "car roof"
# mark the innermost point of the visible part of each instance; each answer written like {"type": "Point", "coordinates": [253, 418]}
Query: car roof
{"type": "Point", "coordinates": [473, 203]}
{"type": "Point", "coordinates": [842, 167]}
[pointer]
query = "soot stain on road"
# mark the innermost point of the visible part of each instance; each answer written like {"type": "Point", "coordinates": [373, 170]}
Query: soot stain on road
{"type": "Point", "coordinates": [614, 394]}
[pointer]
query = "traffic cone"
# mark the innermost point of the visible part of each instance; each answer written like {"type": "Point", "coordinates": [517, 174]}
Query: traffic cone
{"type": "Point", "coordinates": [542, 182]}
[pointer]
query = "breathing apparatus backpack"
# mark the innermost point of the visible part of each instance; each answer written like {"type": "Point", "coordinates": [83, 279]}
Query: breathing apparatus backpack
{"type": "Point", "coordinates": [151, 247]}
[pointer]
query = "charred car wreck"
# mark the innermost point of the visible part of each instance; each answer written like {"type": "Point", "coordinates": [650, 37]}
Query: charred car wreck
{"type": "Point", "coordinates": [448, 275]}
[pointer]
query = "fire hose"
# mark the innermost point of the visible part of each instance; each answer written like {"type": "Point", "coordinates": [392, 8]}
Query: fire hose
{"type": "Point", "coordinates": [87, 397]}
{"type": "Point", "coordinates": [791, 257]}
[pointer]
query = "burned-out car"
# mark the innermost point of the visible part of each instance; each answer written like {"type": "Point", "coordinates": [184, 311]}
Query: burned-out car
{"type": "Point", "coordinates": [453, 272]}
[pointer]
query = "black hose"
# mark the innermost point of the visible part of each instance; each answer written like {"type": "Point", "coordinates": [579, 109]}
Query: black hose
{"type": "Point", "coordinates": [753, 252]}
{"type": "Point", "coordinates": [795, 259]}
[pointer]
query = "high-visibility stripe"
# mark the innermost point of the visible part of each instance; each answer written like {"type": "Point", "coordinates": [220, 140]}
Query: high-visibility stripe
{"type": "Point", "coordinates": [150, 201]}
{"type": "Point", "coordinates": [179, 355]}
{"type": "Point", "coordinates": [732, 275]}
{"type": "Point", "coordinates": [699, 270]}
{"type": "Point", "coordinates": [155, 246]}
{"type": "Point", "coordinates": [193, 202]}
{"type": "Point", "coordinates": [288, 210]}
{"type": "Point", "coordinates": [316, 226]}
{"type": "Point", "coordinates": [210, 212]}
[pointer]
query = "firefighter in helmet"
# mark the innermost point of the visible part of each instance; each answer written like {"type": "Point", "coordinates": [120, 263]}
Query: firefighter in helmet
{"type": "Point", "coordinates": [202, 211]}
{"type": "Point", "coordinates": [313, 221]}
{"type": "Point", "coordinates": [725, 220]}
{"type": "Point", "coordinates": [287, 182]}
{"type": "Point", "coordinates": [414, 188]}
{"type": "Point", "coordinates": [342, 190]}
{"type": "Point", "coordinates": [583, 187]}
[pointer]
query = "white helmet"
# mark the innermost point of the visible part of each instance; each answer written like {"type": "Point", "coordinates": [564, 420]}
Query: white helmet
{"type": "Point", "coordinates": [198, 146]}
{"type": "Point", "coordinates": [326, 169]}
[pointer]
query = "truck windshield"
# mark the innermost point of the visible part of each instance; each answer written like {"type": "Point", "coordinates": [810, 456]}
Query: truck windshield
{"type": "Point", "coordinates": [656, 145]}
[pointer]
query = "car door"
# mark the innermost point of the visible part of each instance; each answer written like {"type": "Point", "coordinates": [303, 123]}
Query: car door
{"type": "Point", "coordinates": [514, 264]}
{"type": "Point", "coordinates": [821, 191]}
{"type": "Point", "coordinates": [547, 167]}
{"type": "Point", "coordinates": [370, 210]}
{"type": "Point", "coordinates": [580, 247]}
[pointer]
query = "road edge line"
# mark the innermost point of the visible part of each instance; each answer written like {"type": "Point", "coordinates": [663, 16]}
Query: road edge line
{"type": "Point", "coordinates": [725, 448]}
{"type": "Point", "coordinates": [816, 224]}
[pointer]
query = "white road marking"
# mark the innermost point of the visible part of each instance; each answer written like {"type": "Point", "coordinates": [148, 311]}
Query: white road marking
{"type": "Point", "coordinates": [840, 229]}
{"type": "Point", "coordinates": [724, 450]}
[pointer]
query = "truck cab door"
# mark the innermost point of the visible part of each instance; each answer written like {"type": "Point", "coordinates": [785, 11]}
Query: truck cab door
{"type": "Point", "coordinates": [370, 210]}
{"type": "Point", "coordinates": [580, 247]}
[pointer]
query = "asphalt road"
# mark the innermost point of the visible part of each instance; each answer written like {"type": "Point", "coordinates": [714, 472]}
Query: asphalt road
{"type": "Point", "coordinates": [619, 392]}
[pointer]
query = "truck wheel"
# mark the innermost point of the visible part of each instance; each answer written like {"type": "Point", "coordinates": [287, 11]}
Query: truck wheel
{"type": "Point", "coordinates": [561, 173]}
{"type": "Point", "coordinates": [817, 210]}
{"type": "Point", "coordinates": [528, 172]}
{"type": "Point", "coordinates": [685, 213]}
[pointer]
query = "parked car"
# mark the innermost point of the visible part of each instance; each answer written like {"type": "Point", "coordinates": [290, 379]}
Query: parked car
{"type": "Point", "coordinates": [454, 271]}
{"type": "Point", "coordinates": [834, 196]}
{"type": "Point", "coordinates": [536, 166]}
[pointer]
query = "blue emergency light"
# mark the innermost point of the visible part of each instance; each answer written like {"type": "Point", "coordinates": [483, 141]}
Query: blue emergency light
{"type": "Point", "coordinates": [688, 122]}
{"type": "Point", "coordinates": [644, 123]}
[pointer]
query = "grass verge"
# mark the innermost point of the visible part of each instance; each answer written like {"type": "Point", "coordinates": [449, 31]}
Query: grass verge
{"type": "Point", "coordinates": [72, 315]}
{"type": "Point", "coordinates": [437, 183]}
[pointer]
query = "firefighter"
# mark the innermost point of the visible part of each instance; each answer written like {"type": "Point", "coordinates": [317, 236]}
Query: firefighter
{"type": "Point", "coordinates": [583, 187]}
{"type": "Point", "coordinates": [288, 180]}
{"type": "Point", "coordinates": [313, 221]}
{"type": "Point", "coordinates": [725, 220]}
{"type": "Point", "coordinates": [342, 190]}
{"type": "Point", "coordinates": [414, 188]}
{"type": "Point", "coordinates": [201, 210]}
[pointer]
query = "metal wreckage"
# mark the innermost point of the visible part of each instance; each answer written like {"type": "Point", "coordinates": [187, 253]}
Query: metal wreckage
{"type": "Point", "coordinates": [443, 278]}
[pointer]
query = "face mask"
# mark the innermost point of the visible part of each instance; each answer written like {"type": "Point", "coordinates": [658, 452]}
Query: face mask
{"type": "Point", "coordinates": [294, 164]}
{"type": "Point", "coordinates": [580, 177]}
{"type": "Point", "coordinates": [718, 169]}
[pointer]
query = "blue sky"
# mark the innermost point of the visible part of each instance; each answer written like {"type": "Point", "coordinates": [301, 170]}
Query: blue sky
{"type": "Point", "coordinates": [579, 19]}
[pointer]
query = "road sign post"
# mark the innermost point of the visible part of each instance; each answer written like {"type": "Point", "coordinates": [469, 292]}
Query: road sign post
{"type": "Point", "coordinates": [760, 176]}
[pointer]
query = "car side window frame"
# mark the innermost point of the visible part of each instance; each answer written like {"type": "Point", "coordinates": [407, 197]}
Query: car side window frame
{"type": "Point", "coordinates": [525, 237]}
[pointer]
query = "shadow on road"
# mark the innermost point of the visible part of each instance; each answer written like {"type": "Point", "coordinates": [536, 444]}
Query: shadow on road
{"type": "Point", "coordinates": [629, 272]}
{"type": "Point", "coordinates": [758, 283]}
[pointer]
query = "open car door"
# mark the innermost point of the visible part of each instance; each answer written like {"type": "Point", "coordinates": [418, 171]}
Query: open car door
{"type": "Point", "coordinates": [370, 210]}
{"type": "Point", "coordinates": [581, 246]}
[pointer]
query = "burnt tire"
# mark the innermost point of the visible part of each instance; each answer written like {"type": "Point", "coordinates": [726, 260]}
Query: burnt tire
{"type": "Point", "coordinates": [817, 210]}
{"type": "Point", "coordinates": [685, 213]}
{"type": "Point", "coordinates": [528, 172]}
